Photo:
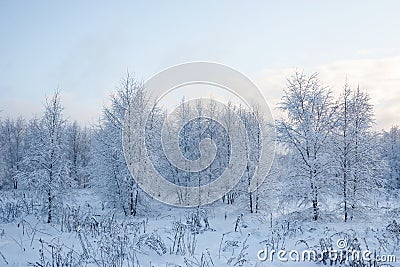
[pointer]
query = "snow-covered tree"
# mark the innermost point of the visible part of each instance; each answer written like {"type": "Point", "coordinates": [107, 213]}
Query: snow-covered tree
{"type": "Point", "coordinates": [13, 135]}
{"type": "Point", "coordinates": [78, 153]}
{"type": "Point", "coordinates": [310, 120]}
{"type": "Point", "coordinates": [367, 166]}
{"type": "Point", "coordinates": [252, 120]}
{"type": "Point", "coordinates": [228, 116]}
{"type": "Point", "coordinates": [2, 160]}
{"type": "Point", "coordinates": [109, 170]}
{"type": "Point", "coordinates": [343, 145]}
{"type": "Point", "coordinates": [391, 141]}
{"type": "Point", "coordinates": [256, 128]}
{"type": "Point", "coordinates": [45, 162]}
{"type": "Point", "coordinates": [356, 151]}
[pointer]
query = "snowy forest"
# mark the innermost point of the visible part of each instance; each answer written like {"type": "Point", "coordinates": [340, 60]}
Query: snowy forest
{"type": "Point", "coordinates": [67, 197]}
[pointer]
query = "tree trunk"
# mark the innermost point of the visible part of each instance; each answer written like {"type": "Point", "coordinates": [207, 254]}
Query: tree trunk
{"type": "Point", "coordinates": [49, 207]}
{"type": "Point", "coordinates": [345, 194]}
{"type": "Point", "coordinates": [315, 209]}
{"type": "Point", "coordinates": [314, 193]}
{"type": "Point", "coordinates": [250, 193]}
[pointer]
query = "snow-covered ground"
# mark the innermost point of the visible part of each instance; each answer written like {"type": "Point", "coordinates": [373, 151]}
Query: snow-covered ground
{"type": "Point", "coordinates": [218, 235]}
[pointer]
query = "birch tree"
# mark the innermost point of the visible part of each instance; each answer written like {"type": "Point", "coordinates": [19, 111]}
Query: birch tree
{"type": "Point", "coordinates": [367, 166]}
{"type": "Point", "coordinates": [109, 169]}
{"type": "Point", "coordinates": [45, 162]}
{"type": "Point", "coordinates": [310, 119]}
{"type": "Point", "coordinates": [355, 150]}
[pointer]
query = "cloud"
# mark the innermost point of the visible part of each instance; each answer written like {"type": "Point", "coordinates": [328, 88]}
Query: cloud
{"type": "Point", "coordinates": [379, 77]}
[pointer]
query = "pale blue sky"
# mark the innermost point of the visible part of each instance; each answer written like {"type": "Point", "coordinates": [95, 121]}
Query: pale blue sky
{"type": "Point", "coordinates": [85, 47]}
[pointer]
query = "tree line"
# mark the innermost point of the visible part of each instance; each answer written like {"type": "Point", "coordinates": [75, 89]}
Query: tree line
{"type": "Point", "coordinates": [329, 159]}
